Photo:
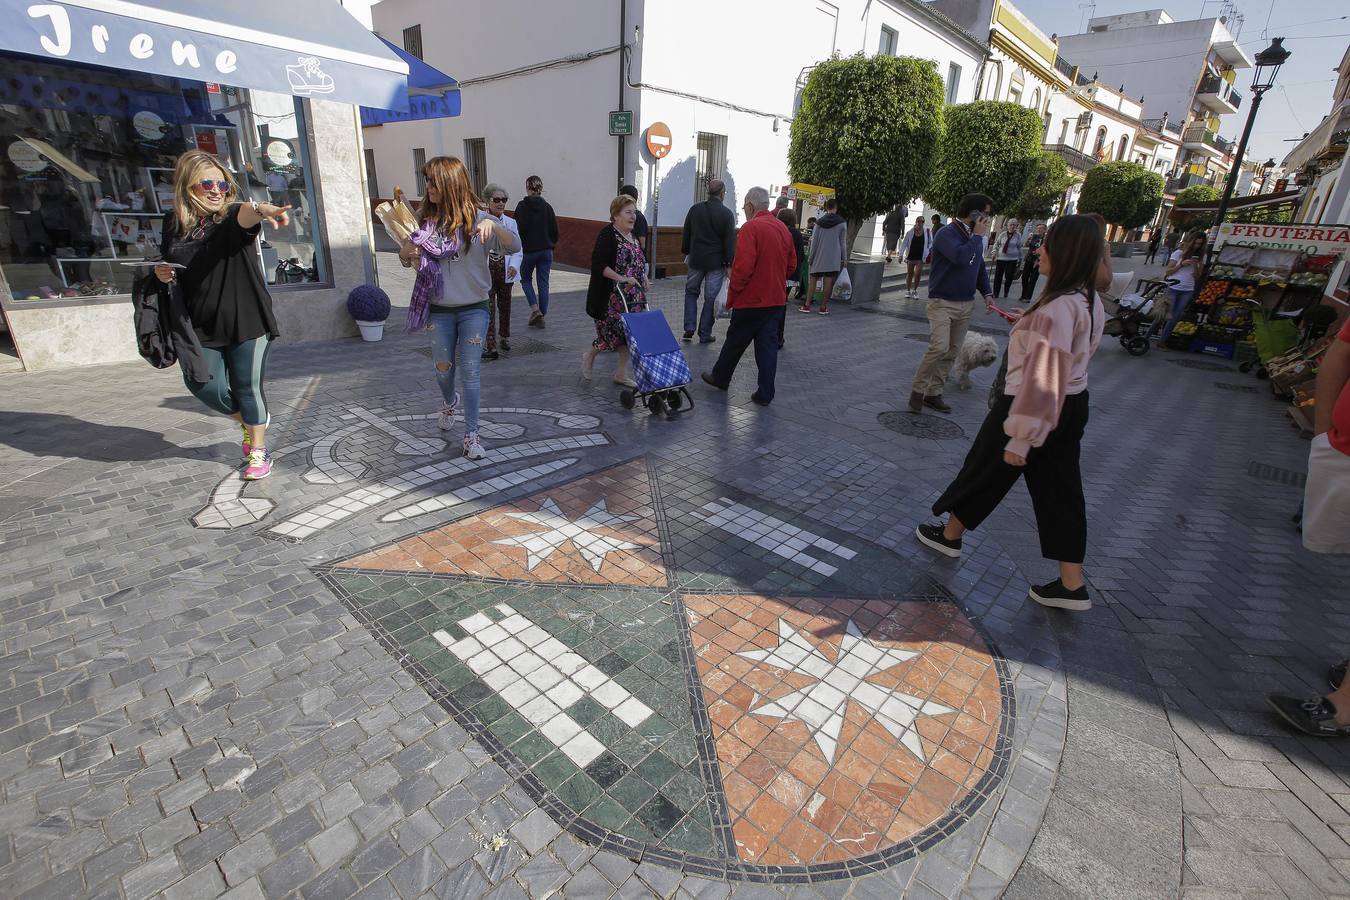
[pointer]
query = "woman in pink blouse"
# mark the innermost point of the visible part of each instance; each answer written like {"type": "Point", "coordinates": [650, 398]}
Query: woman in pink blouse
{"type": "Point", "coordinates": [1036, 427]}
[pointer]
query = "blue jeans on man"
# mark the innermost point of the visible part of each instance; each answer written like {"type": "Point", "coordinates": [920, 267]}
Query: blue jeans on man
{"type": "Point", "coordinates": [539, 262]}
{"type": "Point", "coordinates": [710, 280]}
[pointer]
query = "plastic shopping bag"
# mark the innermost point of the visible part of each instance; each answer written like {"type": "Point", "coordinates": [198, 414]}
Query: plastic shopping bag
{"type": "Point", "coordinates": [720, 304]}
{"type": "Point", "coordinates": [843, 287]}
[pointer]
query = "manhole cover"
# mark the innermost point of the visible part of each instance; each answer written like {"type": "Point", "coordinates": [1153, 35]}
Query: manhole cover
{"type": "Point", "coordinates": [923, 426]}
{"type": "Point", "coordinates": [1240, 388]}
{"type": "Point", "coordinates": [1263, 472]}
{"type": "Point", "coordinates": [1202, 365]}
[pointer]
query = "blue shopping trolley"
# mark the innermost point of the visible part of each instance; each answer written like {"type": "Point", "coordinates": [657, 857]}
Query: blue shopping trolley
{"type": "Point", "coordinates": [659, 367]}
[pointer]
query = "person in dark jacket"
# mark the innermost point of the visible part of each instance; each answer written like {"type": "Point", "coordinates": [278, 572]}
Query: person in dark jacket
{"type": "Point", "coordinates": [789, 218]}
{"type": "Point", "coordinates": [213, 239]}
{"type": "Point", "coordinates": [538, 228]}
{"type": "Point", "coordinates": [892, 227]}
{"type": "Point", "coordinates": [640, 227]}
{"type": "Point", "coordinates": [708, 245]}
{"type": "Point", "coordinates": [617, 265]}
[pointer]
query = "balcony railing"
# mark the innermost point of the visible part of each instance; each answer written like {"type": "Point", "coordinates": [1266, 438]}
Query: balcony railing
{"type": "Point", "coordinates": [1213, 84]}
{"type": "Point", "coordinates": [1180, 184]}
{"type": "Point", "coordinates": [1064, 67]}
{"type": "Point", "coordinates": [1076, 159]}
{"type": "Point", "coordinates": [1197, 134]}
{"type": "Point", "coordinates": [1160, 126]}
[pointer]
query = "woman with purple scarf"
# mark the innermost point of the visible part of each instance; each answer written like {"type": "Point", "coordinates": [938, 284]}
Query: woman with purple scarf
{"type": "Point", "coordinates": [453, 284]}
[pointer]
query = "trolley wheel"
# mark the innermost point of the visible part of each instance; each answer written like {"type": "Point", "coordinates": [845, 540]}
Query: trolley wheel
{"type": "Point", "coordinates": [655, 405]}
{"type": "Point", "coordinates": [1137, 346]}
{"type": "Point", "coordinates": [627, 399]}
{"type": "Point", "coordinates": [1245, 367]}
{"type": "Point", "coordinates": [674, 400]}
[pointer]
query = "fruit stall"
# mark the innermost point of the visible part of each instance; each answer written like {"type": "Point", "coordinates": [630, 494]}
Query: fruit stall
{"type": "Point", "coordinates": [1266, 301]}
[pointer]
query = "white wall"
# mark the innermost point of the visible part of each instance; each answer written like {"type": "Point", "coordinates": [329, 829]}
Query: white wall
{"type": "Point", "coordinates": [1160, 63]}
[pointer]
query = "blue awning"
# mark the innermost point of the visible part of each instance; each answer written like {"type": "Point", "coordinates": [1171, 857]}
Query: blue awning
{"type": "Point", "coordinates": [308, 48]}
{"type": "Point", "coordinates": [433, 94]}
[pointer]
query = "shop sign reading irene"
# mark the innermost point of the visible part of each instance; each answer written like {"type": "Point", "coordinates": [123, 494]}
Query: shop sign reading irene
{"type": "Point", "coordinates": [140, 45]}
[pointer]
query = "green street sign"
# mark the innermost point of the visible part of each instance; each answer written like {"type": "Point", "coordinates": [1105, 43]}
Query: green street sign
{"type": "Point", "coordinates": [621, 122]}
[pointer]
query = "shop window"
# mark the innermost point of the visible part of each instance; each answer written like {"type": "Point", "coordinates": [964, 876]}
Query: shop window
{"type": "Point", "coordinates": [711, 162]}
{"type": "Point", "coordinates": [953, 81]}
{"type": "Point", "coordinates": [86, 173]}
{"type": "Point", "coordinates": [419, 169]}
{"type": "Point", "coordinates": [888, 42]}
{"type": "Point", "coordinates": [475, 160]}
{"type": "Point", "coordinates": [372, 181]}
{"type": "Point", "coordinates": [412, 40]}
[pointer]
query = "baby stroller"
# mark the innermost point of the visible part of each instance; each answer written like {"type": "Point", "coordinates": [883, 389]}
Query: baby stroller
{"type": "Point", "coordinates": [1136, 315]}
{"type": "Point", "coordinates": [659, 367]}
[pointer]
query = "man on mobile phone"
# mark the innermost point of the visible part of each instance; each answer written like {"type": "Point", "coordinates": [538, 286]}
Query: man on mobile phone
{"type": "Point", "coordinates": [956, 272]}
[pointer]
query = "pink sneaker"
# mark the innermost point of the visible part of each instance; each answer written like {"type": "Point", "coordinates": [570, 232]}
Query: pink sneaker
{"type": "Point", "coordinates": [248, 448]}
{"type": "Point", "coordinates": [258, 465]}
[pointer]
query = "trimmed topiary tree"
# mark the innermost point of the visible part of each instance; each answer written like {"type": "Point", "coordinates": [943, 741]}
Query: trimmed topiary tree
{"type": "Point", "coordinates": [1043, 188]}
{"type": "Point", "coordinates": [868, 127]}
{"type": "Point", "coordinates": [1196, 193]}
{"type": "Point", "coordinates": [989, 147]}
{"type": "Point", "coordinates": [1124, 193]}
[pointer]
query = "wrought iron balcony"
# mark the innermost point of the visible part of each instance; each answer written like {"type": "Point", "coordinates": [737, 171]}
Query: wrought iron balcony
{"type": "Point", "coordinates": [1218, 95]}
{"type": "Point", "coordinates": [1160, 126]}
{"type": "Point", "coordinates": [1077, 160]}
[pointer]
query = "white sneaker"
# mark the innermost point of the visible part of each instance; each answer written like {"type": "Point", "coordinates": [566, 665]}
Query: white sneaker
{"type": "Point", "coordinates": [473, 448]}
{"type": "Point", "coordinates": [449, 412]}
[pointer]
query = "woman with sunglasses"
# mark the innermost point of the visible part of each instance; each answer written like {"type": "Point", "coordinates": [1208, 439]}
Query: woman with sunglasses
{"type": "Point", "coordinates": [505, 270]}
{"type": "Point", "coordinates": [452, 249]}
{"type": "Point", "coordinates": [213, 238]}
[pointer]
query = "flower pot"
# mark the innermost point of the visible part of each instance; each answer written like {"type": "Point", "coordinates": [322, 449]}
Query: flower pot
{"type": "Point", "coordinates": [371, 331]}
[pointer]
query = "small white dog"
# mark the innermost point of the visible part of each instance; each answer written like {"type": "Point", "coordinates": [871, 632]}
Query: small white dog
{"type": "Point", "coordinates": [978, 350]}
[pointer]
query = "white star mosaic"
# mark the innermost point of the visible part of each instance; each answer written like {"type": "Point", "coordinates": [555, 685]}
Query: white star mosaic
{"type": "Point", "coordinates": [541, 678]}
{"type": "Point", "coordinates": [821, 706]}
{"type": "Point", "coordinates": [450, 499]}
{"type": "Point", "coordinates": [594, 547]}
{"type": "Point", "coordinates": [774, 535]}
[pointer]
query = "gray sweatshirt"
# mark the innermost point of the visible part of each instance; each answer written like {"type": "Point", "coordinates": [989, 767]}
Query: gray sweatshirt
{"type": "Point", "coordinates": [466, 277]}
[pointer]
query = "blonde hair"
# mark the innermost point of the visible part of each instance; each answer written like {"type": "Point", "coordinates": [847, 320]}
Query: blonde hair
{"type": "Point", "coordinates": [618, 203]}
{"type": "Point", "coordinates": [187, 207]}
{"type": "Point", "coordinates": [458, 207]}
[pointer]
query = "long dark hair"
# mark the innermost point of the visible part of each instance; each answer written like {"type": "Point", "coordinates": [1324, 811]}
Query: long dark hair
{"type": "Point", "coordinates": [1075, 247]}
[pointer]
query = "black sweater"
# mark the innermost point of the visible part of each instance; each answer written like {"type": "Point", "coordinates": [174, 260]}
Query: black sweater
{"type": "Point", "coordinates": [537, 223]}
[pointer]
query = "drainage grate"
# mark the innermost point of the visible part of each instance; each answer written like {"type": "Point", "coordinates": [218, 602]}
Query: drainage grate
{"type": "Point", "coordinates": [1263, 472]}
{"type": "Point", "coordinates": [520, 346]}
{"type": "Point", "coordinates": [922, 426]}
{"type": "Point", "coordinates": [1240, 388]}
{"type": "Point", "coordinates": [1201, 364]}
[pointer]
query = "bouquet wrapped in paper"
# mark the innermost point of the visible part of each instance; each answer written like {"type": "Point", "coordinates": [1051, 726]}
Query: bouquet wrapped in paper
{"type": "Point", "coordinates": [397, 217]}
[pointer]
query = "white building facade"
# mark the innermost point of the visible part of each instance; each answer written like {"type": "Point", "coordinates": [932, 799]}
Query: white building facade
{"type": "Point", "coordinates": [540, 106]}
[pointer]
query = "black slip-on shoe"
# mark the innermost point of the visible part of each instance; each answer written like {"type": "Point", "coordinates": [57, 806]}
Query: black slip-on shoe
{"type": "Point", "coordinates": [1055, 594]}
{"type": "Point", "coordinates": [937, 403]}
{"type": "Point", "coordinates": [759, 400]}
{"type": "Point", "coordinates": [1316, 716]}
{"type": "Point", "coordinates": [931, 536]}
{"type": "Point", "coordinates": [708, 379]}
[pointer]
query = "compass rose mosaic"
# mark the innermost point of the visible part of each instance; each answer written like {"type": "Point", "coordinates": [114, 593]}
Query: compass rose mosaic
{"type": "Point", "coordinates": [684, 673]}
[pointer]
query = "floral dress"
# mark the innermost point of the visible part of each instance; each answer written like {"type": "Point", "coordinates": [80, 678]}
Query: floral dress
{"type": "Point", "coordinates": [629, 261]}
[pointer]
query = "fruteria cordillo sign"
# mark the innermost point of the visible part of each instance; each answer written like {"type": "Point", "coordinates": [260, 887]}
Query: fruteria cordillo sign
{"type": "Point", "coordinates": [1314, 240]}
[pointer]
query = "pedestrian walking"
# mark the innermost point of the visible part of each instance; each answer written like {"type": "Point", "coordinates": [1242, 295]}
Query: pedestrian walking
{"type": "Point", "coordinates": [892, 228]}
{"type": "Point", "coordinates": [505, 271]}
{"type": "Point", "coordinates": [765, 258]}
{"type": "Point", "coordinates": [789, 219]}
{"type": "Point", "coordinates": [451, 249]}
{"type": "Point", "coordinates": [617, 264]}
{"type": "Point", "coordinates": [917, 246]}
{"type": "Point", "coordinates": [1036, 426]}
{"type": "Point", "coordinates": [1171, 241]}
{"type": "Point", "coordinates": [641, 229]}
{"type": "Point", "coordinates": [935, 224]}
{"type": "Point", "coordinates": [1326, 525]}
{"type": "Point", "coordinates": [538, 228]}
{"type": "Point", "coordinates": [1031, 270]}
{"type": "Point", "coordinates": [828, 256]}
{"type": "Point", "coordinates": [211, 237]}
{"type": "Point", "coordinates": [805, 268]}
{"type": "Point", "coordinates": [1183, 267]}
{"type": "Point", "coordinates": [708, 245]}
{"type": "Point", "coordinates": [1152, 255]}
{"type": "Point", "coordinates": [957, 272]}
{"type": "Point", "coordinates": [1007, 254]}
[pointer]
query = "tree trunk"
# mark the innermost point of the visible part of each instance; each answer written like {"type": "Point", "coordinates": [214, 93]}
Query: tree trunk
{"type": "Point", "coordinates": [854, 226]}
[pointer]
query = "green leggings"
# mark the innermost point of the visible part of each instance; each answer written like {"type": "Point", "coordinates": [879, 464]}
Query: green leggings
{"type": "Point", "coordinates": [236, 384]}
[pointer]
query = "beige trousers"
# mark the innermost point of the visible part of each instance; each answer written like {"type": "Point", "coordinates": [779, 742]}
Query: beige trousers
{"type": "Point", "coordinates": [948, 321]}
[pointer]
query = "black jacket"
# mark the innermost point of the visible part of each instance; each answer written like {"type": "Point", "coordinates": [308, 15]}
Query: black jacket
{"type": "Point", "coordinates": [709, 235]}
{"type": "Point", "coordinates": [605, 253]}
{"type": "Point", "coordinates": [164, 333]}
{"type": "Point", "coordinates": [894, 223]}
{"type": "Point", "coordinates": [537, 223]}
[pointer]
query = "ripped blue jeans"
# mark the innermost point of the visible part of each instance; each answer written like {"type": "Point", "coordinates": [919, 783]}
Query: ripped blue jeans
{"type": "Point", "coordinates": [457, 344]}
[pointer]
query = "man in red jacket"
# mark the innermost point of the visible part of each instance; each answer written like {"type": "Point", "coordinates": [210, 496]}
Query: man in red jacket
{"type": "Point", "coordinates": [765, 260]}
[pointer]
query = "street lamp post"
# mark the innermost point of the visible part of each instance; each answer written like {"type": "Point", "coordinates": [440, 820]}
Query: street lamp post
{"type": "Point", "coordinates": [1268, 63]}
